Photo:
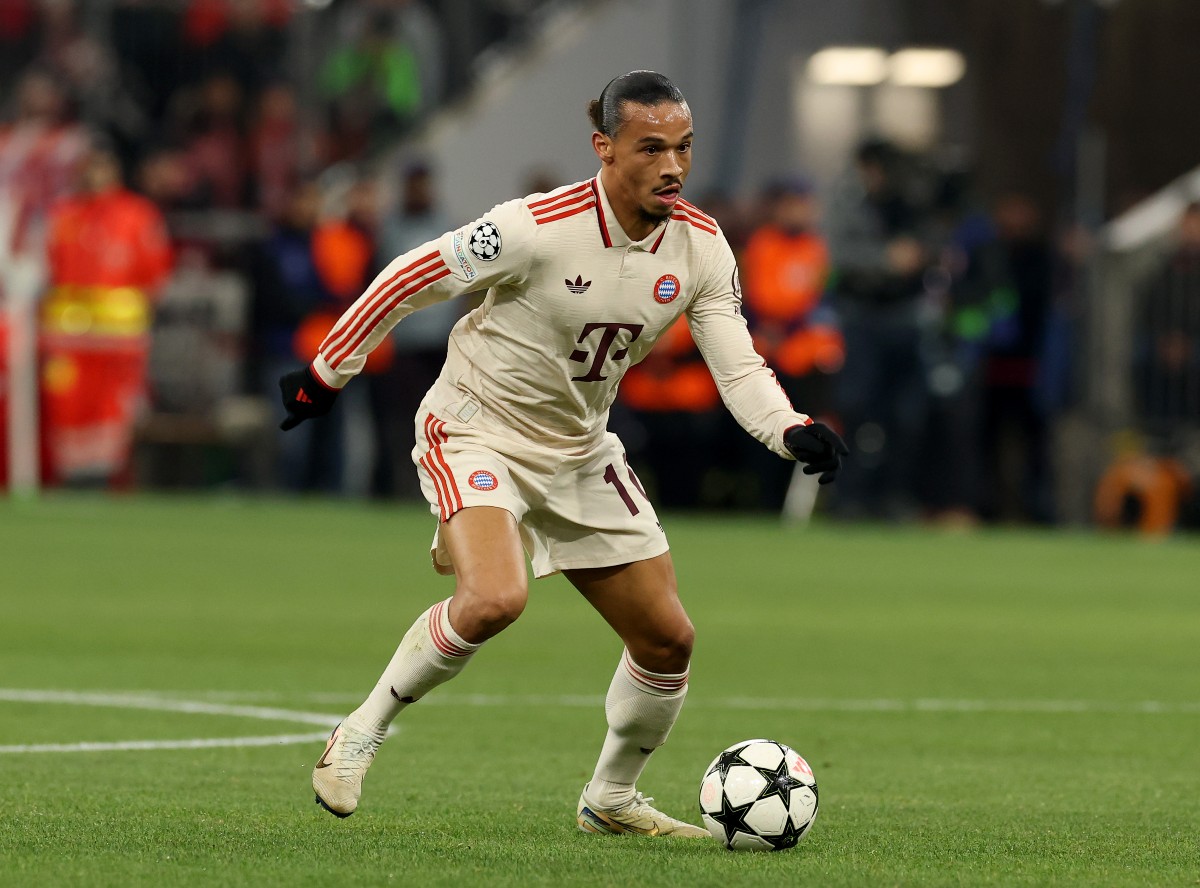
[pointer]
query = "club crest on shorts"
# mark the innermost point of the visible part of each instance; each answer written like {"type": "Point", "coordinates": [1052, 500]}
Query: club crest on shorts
{"type": "Point", "coordinates": [485, 241]}
{"type": "Point", "coordinates": [666, 288]}
{"type": "Point", "coordinates": [481, 479]}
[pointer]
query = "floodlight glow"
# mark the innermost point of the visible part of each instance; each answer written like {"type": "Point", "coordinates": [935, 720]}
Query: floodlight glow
{"type": "Point", "coordinates": [848, 66]}
{"type": "Point", "coordinates": [926, 67]}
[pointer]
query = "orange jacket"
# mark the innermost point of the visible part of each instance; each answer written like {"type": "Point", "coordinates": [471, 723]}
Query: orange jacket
{"type": "Point", "coordinates": [672, 378]}
{"type": "Point", "coordinates": [784, 276]}
{"type": "Point", "coordinates": [114, 239]}
{"type": "Point", "coordinates": [342, 254]}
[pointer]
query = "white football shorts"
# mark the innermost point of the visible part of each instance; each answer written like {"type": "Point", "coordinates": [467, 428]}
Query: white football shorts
{"type": "Point", "coordinates": [572, 511]}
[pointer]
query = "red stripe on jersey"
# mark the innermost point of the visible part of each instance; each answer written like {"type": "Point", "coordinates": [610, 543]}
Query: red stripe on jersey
{"type": "Point", "coordinates": [312, 368]}
{"type": "Point", "coordinates": [694, 223]}
{"type": "Point", "coordinates": [560, 204]}
{"type": "Point", "coordinates": [578, 188]}
{"type": "Point", "coordinates": [378, 305]}
{"type": "Point", "coordinates": [703, 216]}
{"type": "Point", "coordinates": [779, 386]}
{"type": "Point", "coordinates": [662, 234]}
{"type": "Point", "coordinates": [600, 215]}
{"type": "Point", "coordinates": [384, 306]}
{"type": "Point", "coordinates": [349, 327]}
{"type": "Point", "coordinates": [697, 216]}
{"type": "Point", "coordinates": [337, 332]}
{"type": "Point", "coordinates": [439, 433]}
{"type": "Point", "coordinates": [574, 211]}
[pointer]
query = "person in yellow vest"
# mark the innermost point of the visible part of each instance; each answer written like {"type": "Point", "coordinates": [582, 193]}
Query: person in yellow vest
{"type": "Point", "coordinates": [108, 255]}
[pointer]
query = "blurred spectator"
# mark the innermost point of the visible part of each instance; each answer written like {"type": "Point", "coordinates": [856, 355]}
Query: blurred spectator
{"type": "Point", "coordinates": [420, 341]}
{"type": "Point", "coordinates": [785, 268]}
{"type": "Point", "coordinates": [108, 255]}
{"type": "Point", "coordinates": [1167, 348]}
{"type": "Point", "coordinates": [735, 220]}
{"type": "Point", "coordinates": [276, 148]}
{"type": "Point", "coordinates": [214, 142]}
{"type": "Point", "coordinates": [287, 290]}
{"type": "Point", "coordinates": [1010, 279]}
{"type": "Point", "coordinates": [18, 38]}
{"type": "Point", "coordinates": [243, 38]}
{"type": "Point", "coordinates": [165, 177]}
{"type": "Point", "coordinates": [88, 70]}
{"type": "Point", "coordinates": [875, 241]}
{"type": "Point", "coordinates": [373, 87]}
{"type": "Point", "coordinates": [40, 154]}
{"type": "Point", "coordinates": [408, 22]}
{"type": "Point", "coordinates": [147, 43]}
{"type": "Point", "coordinates": [673, 396]}
{"type": "Point", "coordinates": [346, 253]}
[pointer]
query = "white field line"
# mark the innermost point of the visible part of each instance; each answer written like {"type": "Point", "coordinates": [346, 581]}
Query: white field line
{"type": "Point", "coordinates": [129, 700]}
{"type": "Point", "coordinates": [220, 703]}
{"type": "Point", "coordinates": [157, 702]}
{"type": "Point", "coordinates": [137, 745]}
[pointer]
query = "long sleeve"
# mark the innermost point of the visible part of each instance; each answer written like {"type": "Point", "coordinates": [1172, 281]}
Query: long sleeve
{"type": "Point", "coordinates": [748, 387]}
{"type": "Point", "coordinates": [496, 249]}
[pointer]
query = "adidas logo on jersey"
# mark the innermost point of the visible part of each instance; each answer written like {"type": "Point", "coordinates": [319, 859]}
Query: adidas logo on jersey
{"type": "Point", "coordinates": [577, 286]}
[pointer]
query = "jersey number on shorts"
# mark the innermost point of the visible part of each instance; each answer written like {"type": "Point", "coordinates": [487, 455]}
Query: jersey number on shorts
{"type": "Point", "coordinates": [611, 477]}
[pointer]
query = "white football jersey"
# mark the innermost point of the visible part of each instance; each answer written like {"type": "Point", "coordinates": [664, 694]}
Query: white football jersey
{"type": "Point", "coordinates": [572, 303]}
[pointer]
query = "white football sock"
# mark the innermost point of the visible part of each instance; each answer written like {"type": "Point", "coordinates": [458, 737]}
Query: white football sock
{"type": "Point", "coordinates": [641, 707]}
{"type": "Point", "coordinates": [430, 653]}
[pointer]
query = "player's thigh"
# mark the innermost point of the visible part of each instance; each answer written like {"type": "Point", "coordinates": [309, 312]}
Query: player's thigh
{"type": "Point", "coordinates": [640, 601]}
{"type": "Point", "coordinates": [492, 586]}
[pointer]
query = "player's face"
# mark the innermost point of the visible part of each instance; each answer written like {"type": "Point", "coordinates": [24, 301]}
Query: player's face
{"type": "Point", "coordinates": [648, 160]}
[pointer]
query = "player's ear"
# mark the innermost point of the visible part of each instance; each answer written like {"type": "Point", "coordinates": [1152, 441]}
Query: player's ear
{"type": "Point", "coordinates": [603, 147]}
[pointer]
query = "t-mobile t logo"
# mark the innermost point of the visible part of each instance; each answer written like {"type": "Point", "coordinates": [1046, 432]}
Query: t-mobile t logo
{"type": "Point", "coordinates": [607, 338]}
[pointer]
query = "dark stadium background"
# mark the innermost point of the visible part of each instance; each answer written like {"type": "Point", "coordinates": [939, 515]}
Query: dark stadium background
{"type": "Point", "coordinates": [224, 112]}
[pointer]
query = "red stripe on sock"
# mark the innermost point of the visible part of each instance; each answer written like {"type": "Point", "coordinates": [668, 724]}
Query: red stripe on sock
{"type": "Point", "coordinates": [440, 640]}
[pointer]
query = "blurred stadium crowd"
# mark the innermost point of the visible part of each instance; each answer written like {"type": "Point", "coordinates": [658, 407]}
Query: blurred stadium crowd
{"type": "Point", "coordinates": [198, 226]}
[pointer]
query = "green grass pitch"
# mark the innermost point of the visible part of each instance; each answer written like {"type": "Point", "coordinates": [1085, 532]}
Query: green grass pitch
{"type": "Point", "coordinates": [1003, 708]}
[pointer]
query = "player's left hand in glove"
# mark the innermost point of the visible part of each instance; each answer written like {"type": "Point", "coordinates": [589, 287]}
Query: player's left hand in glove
{"type": "Point", "coordinates": [304, 397]}
{"type": "Point", "coordinates": [818, 447]}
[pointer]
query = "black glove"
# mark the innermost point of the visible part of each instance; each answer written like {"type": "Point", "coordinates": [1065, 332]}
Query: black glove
{"type": "Point", "coordinates": [819, 447]}
{"type": "Point", "coordinates": [304, 396]}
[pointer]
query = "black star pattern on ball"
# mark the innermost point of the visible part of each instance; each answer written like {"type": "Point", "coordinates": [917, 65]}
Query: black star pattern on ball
{"type": "Point", "coordinates": [727, 760]}
{"type": "Point", "coordinates": [733, 819]}
{"type": "Point", "coordinates": [781, 783]}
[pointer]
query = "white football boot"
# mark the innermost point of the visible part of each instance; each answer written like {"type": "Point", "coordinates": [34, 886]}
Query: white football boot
{"type": "Point", "coordinates": [637, 817]}
{"type": "Point", "coordinates": [337, 778]}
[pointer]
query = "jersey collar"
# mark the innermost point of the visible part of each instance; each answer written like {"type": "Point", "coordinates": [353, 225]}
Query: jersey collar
{"type": "Point", "coordinates": [611, 231]}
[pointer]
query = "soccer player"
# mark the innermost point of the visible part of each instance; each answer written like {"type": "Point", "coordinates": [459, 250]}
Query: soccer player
{"type": "Point", "coordinates": [513, 453]}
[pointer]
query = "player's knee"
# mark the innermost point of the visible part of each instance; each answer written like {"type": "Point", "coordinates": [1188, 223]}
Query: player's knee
{"type": "Point", "coordinates": [484, 613]}
{"type": "Point", "coordinates": [668, 650]}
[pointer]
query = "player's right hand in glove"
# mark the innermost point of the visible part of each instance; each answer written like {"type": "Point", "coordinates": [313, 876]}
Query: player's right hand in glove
{"type": "Point", "coordinates": [818, 447]}
{"type": "Point", "coordinates": [304, 397]}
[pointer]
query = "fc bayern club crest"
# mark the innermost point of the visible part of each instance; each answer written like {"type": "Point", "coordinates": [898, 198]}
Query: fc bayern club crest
{"type": "Point", "coordinates": [481, 479]}
{"type": "Point", "coordinates": [666, 288]}
{"type": "Point", "coordinates": [485, 241]}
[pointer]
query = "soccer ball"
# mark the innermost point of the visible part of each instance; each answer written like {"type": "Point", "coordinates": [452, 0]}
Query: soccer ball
{"type": "Point", "coordinates": [758, 795]}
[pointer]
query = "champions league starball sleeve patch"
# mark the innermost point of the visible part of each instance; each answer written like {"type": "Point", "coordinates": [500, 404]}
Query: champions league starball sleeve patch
{"type": "Point", "coordinates": [484, 243]}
